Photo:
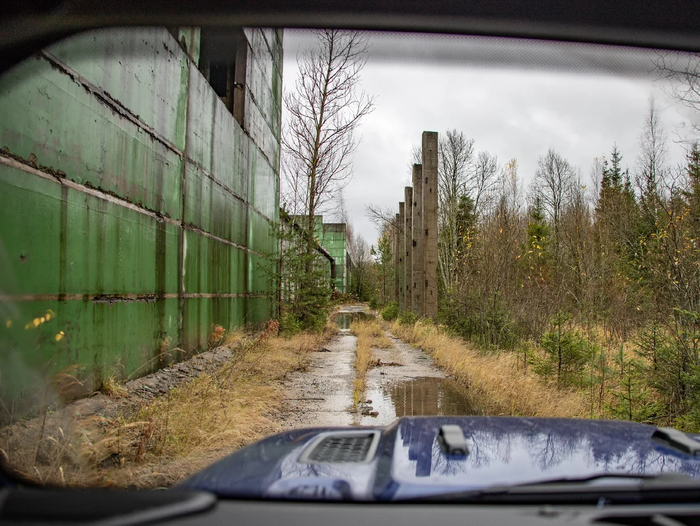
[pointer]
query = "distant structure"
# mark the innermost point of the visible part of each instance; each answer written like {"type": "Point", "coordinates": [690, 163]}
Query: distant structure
{"type": "Point", "coordinates": [332, 244]}
{"type": "Point", "coordinates": [416, 236]}
{"type": "Point", "coordinates": [333, 238]}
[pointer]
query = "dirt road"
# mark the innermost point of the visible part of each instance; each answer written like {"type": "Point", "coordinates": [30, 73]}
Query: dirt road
{"type": "Point", "coordinates": [406, 383]}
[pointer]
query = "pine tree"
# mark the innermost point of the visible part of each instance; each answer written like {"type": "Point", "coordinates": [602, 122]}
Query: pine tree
{"type": "Point", "coordinates": [692, 195]}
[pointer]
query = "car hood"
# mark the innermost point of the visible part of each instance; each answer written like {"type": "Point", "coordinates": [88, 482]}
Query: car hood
{"type": "Point", "coordinates": [406, 460]}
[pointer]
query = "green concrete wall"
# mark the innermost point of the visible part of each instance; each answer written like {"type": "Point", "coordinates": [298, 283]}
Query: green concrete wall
{"type": "Point", "coordinates": [332, 237]}
{"type": "Point", "coordinates": [335, 243]}
{"type": "Point", "coordinates": [135, 211]}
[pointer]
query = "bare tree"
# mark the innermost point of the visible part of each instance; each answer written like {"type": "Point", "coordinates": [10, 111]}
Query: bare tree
{"type": "Point", "coordinates": [484, 181]}
{"type": "Point", "coordinates": [381, 217]}
{"type": "Point", "coordinates": [324, 111]}
{"type": "Point", "coordinates": [596, 174]}
{"type": "Point", "coordinates": [455, 155]}
{"type": "Point", "coordinates": [554, 180]}
{"type": "Point", "coordinates": [683, 71]}
{"type": "Point", "coordinates": [510, 187]}
{"type": "Point", "coordinates": [651, 170]}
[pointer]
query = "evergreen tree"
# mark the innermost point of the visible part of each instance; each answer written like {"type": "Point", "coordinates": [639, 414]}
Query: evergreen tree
{"type": "Point", "coordinates": [692, 194]}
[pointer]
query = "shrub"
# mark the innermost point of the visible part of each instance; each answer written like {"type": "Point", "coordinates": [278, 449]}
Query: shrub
{"type": "Point", "coordinates": [567, 354]}
{"type": "Point", "coordinates": [390, 312]}
{"type": "Point", "coordinates": [407, 317]}
{"type": "Point", "coordinates": [290, 325]}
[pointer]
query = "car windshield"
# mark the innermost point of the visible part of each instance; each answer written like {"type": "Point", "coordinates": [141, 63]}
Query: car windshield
{"type": "Point", "coordinates": [211, 235]}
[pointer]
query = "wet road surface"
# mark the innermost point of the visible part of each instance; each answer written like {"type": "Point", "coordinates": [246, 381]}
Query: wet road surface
{"type": "Point", "coordinates": [406, 383]}
{"type": "Point", "coordinates": [415, 388]}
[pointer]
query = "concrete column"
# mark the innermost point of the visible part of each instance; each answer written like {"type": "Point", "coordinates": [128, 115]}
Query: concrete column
{"type": "Point", "coordinates": [402, 258]}
{"type": "Point", "coordinates": [396, 248]}
{"type": "Point", "coordinates": [408, 243]}
{"type": "Point", "coordinates": [430, 200]}
{"type": "Point", "coordinates": [418, 281]}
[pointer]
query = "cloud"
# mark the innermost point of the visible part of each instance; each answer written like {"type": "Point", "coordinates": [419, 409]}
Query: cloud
{"type": "Point", "coordinates": [516, 98]}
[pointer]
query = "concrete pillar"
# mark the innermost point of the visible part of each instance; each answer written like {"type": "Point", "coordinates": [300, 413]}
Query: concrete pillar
{"type": "Point", "coordinates": [430, 200]}
{"type": "Point", "coordinates": [408, 243]}
{"type": "Point", "coordinates": [402, 258]}
{"type": "Point", "coordinates": [396, 248]}
{"type": "Point", "coordinates": [418, 281]}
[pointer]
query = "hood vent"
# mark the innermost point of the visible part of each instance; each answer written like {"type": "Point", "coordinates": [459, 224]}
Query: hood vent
{"type": "Point", "coordinates": [349, 447]}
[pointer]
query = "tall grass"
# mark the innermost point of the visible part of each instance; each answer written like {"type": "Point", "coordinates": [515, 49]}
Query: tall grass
{"type": "Point", "coordinates": [496, 381]}
{"type": "Point", "coordinates": [370, 335]}
{"type": "Point", "coordinates": [163, 441]}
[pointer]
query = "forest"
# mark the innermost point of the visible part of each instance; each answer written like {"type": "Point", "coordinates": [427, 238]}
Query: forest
{"type": "Point", "coordinates": [592, 283]}
{"type": "Point", "coordinates": [594, 289]}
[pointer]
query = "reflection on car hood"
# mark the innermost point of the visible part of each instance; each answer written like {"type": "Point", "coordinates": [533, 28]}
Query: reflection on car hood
{"type": "Point", "coordinates": [409, 461]}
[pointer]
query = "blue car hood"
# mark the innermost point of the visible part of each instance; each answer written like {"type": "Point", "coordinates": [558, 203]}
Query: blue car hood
{"type": "Point", "coordinates": [407, 460]}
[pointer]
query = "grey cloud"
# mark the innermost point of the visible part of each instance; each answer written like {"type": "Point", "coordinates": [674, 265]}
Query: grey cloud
{"type": "Point", "coordinates": [516, 99]}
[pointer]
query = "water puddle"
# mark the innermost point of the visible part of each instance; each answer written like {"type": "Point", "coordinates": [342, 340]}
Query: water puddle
{"type": "Point", "coordinates": [429, 396]}
{"type": "Point", "coordinates": [344, 319]}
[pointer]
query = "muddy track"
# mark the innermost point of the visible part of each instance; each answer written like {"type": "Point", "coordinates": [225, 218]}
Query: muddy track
{"type": "Point", "coordinates": [404, 382]}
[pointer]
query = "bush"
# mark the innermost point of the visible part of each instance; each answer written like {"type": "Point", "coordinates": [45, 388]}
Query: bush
{"type": "Point", "coordinates": [407, 317]}
{"type": "Point", "coordinates": [482, 321]}
{"type": "Point", "coordinates": [567, 354]}
{"type": "Point", "coordinates": [390, 312]}
{"type": "Point", "coordinates": [289, 325]}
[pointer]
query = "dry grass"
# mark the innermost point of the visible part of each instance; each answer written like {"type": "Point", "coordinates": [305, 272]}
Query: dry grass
{"type": "Point", "coordinates": [161, 442]}
{"type": "Point", "coordinates": [496, 380]}
{"type": "Point", "coordinates": [370, 335]}
{"type": "Point", "coordinates": [210, 416]}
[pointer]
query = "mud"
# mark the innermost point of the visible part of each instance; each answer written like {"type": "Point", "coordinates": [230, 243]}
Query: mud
{"type": "Point", "coordinates": [404, 381]}
{"type": "Point", "coordinates": [416, 388]}
{"type": "Point", "coordinates": [322, 394]}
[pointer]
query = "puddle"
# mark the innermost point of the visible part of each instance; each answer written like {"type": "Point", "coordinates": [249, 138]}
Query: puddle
{"type": "Point", "coordinates": [419, 397]}
{"type": "Point", "coordinates": [344, 319]}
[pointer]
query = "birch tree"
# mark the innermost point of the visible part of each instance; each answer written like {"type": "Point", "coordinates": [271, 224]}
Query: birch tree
{"type": "Point", "coordinates": [324, 110]}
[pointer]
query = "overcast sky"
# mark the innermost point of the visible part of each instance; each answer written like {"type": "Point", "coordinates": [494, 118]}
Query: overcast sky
{"type": "Point", "coordinates": [515, 98]}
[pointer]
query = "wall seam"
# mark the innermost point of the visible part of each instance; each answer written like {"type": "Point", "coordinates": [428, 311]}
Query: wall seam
{"type": "Point", "coordinates": [12, 162]}
{"type": "Point", "coordinates": [106, 99]}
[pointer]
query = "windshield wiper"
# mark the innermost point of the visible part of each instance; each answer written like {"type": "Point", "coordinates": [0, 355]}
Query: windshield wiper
{"type": "Point", "coordinates": [611, 487]}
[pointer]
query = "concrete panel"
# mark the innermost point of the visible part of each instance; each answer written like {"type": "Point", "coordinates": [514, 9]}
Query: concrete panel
{"type": "Point", "coordinates": [213, 267]}
{"type": "Point", "coordinates": [263, 184]}
{"type": "Point", "coordinates": [417, 263]}
{"type": "Point", "coordinates": [259, 310]}
{"type": "Point", "coordinates": [212, 208]}
{"type": "Point", "coordinates": [262, 235]}
{"type": "Point", "coordinates": [62, 241]}
{"type": "Point", "coordinates": [201, 314]}
{"type": "Point", "coordinates": [144, 69]}
{"type": "Point", "coordinates": [51, 120]}
{"type": "Point", "coordinates": [408, 244]}
{"type": "Point", "coordinates": [430, 203]}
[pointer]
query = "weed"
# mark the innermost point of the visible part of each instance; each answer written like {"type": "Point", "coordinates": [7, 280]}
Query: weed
{"type": "Point", "coordinates": [390, 312]}
{"type": "Point", "coordinates": [498, 381]}
{"type": "Point", "coordinates": [407, 317]}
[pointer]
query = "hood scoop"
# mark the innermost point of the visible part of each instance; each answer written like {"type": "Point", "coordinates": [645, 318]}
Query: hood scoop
{"type": "Point", "coordinates": [343, 447]}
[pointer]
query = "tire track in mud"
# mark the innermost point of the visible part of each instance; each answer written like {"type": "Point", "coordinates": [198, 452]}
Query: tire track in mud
{"type": "Point", "coordinates": [405, 382]}
{"type": "Point", "coordinates": [322, 394]}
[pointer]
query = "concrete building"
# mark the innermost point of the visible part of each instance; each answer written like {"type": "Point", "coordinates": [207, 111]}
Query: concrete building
{"type": "Point", "coordinates": [334, 239]}
{"type": "Point", "coordinates": [139, 179]}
